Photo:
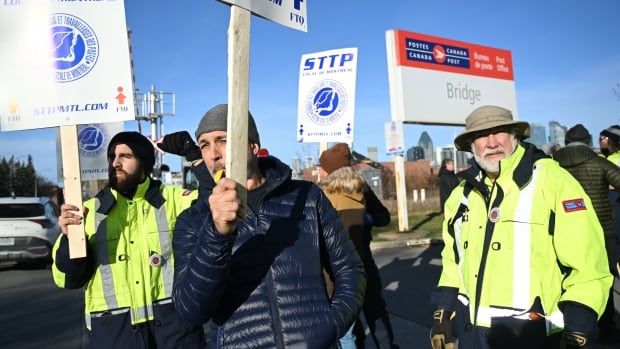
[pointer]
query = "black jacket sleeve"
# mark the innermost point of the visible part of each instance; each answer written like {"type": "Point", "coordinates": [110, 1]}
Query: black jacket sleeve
{"type": "Point", "coordinates": [77, 271]}
{"type": "Point", "coordinates": [205, 180]}
{"type": "Point", "coordinates": [379, 213]}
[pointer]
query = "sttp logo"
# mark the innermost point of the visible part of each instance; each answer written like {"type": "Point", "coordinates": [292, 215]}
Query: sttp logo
{"type": "Point", "coordinates": [328, 62]}
{"type": "Point", "coordinates": [75, 47]}
{"type": "Point", "coordinates": [326, 102]}
{"type": "Point", "coordinates": [91, 141]}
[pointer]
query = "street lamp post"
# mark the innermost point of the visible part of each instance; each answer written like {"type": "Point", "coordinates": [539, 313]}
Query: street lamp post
{"type": "Point", "coordinates": [36, 180]}
{"type": "Point", "coordinates": [12, 174]}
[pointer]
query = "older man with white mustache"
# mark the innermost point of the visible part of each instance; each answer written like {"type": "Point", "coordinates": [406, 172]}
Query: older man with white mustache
{"type": "Point", "coordinates": [524, 263]}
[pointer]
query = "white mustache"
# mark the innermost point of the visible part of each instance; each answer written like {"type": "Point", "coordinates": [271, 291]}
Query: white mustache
{"type": "Point", "coordinates": [498, 149]}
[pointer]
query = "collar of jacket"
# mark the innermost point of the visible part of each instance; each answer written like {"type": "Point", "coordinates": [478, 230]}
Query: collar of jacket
{"type": "Point", "coordinates": [149, 189]}
{"type": "Point", "coordinates": [519, 164]}
{"type": "Point", "coordinates": [573, 155]}
{"type": "Point", "coordinates": [274, 171]}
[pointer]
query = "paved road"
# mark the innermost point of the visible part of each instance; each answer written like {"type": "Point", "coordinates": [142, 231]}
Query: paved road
{"type": "Point", "coordinates": [36, 314]}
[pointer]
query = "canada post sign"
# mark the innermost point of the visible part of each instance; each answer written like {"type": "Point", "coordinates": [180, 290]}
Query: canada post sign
{"type": "Point", "coordinates": [444, 79]}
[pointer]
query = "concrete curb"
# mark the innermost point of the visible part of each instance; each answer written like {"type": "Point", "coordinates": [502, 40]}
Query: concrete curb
{"type": "Point", "coordinates": [377, 245]}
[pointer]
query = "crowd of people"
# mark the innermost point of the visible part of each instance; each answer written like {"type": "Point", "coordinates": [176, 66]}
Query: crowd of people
{"type": "Point", "coordinates": [529, 256]}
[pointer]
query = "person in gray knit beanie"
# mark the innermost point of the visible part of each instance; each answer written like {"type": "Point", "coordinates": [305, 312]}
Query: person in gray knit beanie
{"type": "Point", "coordinates": [216, 119]}
{"type": "Point", "coordinates": [224, 246]}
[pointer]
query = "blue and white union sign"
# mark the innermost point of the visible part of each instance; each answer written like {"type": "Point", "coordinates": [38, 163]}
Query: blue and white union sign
{"type": "Point", "coordinates": [290, 13]}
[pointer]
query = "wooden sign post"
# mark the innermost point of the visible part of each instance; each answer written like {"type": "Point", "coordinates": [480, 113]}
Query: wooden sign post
{"type": "Point", "coordinates": [73, 187]}
{"type": "Point", "coordinates": [289, 13]}
{"type": "Point", "coordinates": [238, 94]}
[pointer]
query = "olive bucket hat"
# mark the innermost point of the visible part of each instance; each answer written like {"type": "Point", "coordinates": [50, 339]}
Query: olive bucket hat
{"type": "Point", "coordinates": [486, 119]}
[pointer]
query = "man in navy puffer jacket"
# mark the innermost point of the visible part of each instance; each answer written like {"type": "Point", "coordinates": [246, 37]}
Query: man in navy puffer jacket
{"type": "Point", "coordinates": [259, 278]}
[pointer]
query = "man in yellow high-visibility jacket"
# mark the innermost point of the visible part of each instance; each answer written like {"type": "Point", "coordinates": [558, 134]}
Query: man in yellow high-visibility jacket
{"type": "Point", "coordinates": [128, 270]}
{"type": "Point", "coordinates": [524, 262]}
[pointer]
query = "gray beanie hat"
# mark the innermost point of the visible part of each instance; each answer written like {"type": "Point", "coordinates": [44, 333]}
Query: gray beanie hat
{"type": "Point", "coordinates": [216, 118]}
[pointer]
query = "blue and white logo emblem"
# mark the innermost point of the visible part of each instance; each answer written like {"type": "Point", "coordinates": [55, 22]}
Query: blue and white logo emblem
{"type": "Point", "coordinates": [91, 141]}
{"type": "Point", "coordinates": [75, 47]}
{"type": "Point", "coordinates": [326, 102]}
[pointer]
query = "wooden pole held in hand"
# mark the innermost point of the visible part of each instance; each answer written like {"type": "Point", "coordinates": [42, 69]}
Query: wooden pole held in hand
{"type": "Point", "coordinates": [238, 95]}
{"type": "Point", "coordinates": [73, 187]}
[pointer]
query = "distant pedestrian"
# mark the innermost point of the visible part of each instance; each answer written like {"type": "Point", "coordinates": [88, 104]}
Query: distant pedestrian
{"type": "Point", "coordinates": [595, 174]}
{"type": "Point", "coordinates": [447, 181]}
{"type": "Point", "coordinates": [609, 141]}
{"type": "Point", "coordinates": [345, 190]}
{"type": "Point", "coordinates": [351, 196]}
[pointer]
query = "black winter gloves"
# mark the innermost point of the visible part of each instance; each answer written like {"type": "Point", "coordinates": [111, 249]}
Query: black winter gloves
{"type": "Point", "coordinates": [180, 143]}
{"type": "Point", "coordinates": [574, 340]}
{"type": "Point", "coordinates": [441, 332]}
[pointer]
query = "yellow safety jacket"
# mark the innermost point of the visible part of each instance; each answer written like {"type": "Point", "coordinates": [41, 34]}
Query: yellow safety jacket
{"type": "Point", "coordinates": [532, 233]}
{"type": "Point", "coordinates": [615, 158]}
{"type": "Point", "coordinates": [130, 250]}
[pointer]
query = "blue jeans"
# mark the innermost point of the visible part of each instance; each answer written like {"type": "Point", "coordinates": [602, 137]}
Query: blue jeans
{"type": "Point", "coordinates": [348, 340]}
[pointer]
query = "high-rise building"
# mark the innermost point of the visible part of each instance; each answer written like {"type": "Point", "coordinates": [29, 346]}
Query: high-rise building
{"type": "Point", "coordinates": [415, 153]}
{"type": "Point", "coordinates": [538, 134]}
{"type": "Point", "coordinates": [426, 143]}
{"type": "Point", "coordinates": [557, 132]}
{"type": "Point", "coordinates": [372, 153]}
{"type": "Point", "coordinates": [296, 168]}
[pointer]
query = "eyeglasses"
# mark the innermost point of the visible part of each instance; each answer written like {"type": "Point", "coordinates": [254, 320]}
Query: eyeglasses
{"type": "Point", "coordinates": [602, 138]}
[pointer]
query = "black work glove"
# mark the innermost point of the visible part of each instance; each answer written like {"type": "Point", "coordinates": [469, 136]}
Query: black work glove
{"type": "Point", "coordinates": [441, 332]}
{"type": "Point", "coordinates": [574, 340]}
{"type": "Point", "coordinates": [180, 143]}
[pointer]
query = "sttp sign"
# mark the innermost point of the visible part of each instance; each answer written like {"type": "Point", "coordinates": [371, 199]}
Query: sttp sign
{"type": "Point", "coordinates": [290, 13]}
{"type": "Point", "coordinates": [435, 80]}
{"type": "Point", "coordinates": [93, 141]}
{"type": "Point", "coordinates": [326, 102]}
{"type": "Point", "coordinates": [63, 63]}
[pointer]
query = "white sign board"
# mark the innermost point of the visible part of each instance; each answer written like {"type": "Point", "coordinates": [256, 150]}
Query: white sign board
{"type": "Point", "coordinates": [290, 13]}
{"type": "Point", "coordinates": [326, 102]}
{"type": "Point", "coordinates": [63, 63]}
{"type": "Point", "coordinates": [394, 140]}
{"type": "Point", "coordinates": [93, 141]}
{"type": "Point", "coordinates": [440, 81]}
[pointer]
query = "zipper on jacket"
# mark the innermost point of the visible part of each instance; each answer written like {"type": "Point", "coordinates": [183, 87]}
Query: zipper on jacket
{"type": "Point", "coordinates": [488, 236]}
{"type": "Point", "coordinates": [275, 315]}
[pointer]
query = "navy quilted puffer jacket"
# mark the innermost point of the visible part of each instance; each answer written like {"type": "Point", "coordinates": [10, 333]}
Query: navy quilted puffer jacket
{"type": "Point", "coordinates": [263, 286]}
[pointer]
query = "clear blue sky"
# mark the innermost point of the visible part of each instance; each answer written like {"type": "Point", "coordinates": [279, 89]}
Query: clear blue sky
{"type": "Point", "coordinates": [566, 58]}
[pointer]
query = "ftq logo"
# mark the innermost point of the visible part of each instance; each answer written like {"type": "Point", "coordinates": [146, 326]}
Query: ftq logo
{"type": "Point", "coordinates": [326, 102]}
{"type": "Point", "coordinates": [436, 53]}
{"type": "Point", "coordinates": [91, 141]}
{"type": "Point", "coordinates": [75, 47]}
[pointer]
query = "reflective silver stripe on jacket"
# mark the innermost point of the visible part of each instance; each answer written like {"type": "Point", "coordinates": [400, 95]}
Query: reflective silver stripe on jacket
{"type": "Point", "coordinates": [103, 313]}
{"type": "Point", "coordinates": [166, 249]}
{"type": "Point", "coordinates": [459, 241]}
{"type": "Point", "coordinates": [522, 246]}
{"type": "Point", "coordinates": [103, 257]}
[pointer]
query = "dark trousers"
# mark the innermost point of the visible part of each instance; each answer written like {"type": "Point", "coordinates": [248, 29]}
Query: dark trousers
{"type": "Point", "coordinates": [374, 307]}
{"type": "Point", "coordinates": [505, 333]}
{"type": "Point", "coordinates": [166, 331]}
